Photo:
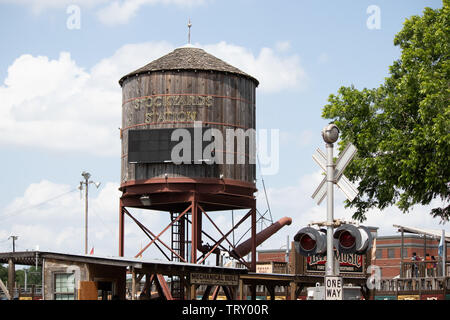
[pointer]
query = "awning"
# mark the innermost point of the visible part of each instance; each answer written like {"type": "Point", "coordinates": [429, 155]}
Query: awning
{"type": "Point", "coordinates": [437, 234]}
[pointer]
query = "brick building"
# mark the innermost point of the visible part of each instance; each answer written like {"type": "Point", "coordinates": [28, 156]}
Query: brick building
{"type": "Point", "coordinates": [387, 252]}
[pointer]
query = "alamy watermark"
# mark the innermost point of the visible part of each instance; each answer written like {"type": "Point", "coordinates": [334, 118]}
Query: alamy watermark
{"type": "Point", "coordinates": [373, 22]}
{"type": "Point", "coordinates": [229, 146]}
{"type": "Point", "coordinates": [73, 21]}
{"type": "Point", "coordinates": [374, 281]}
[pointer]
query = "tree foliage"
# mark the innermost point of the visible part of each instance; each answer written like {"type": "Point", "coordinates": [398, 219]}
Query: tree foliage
{"type": "Point", "coordinates": [402, 128]}
{"type": "Point", "coordinates": [34, 276]}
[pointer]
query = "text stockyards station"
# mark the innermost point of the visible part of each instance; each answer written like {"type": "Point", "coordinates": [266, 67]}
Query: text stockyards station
{"type": "Point", "coordinates": [161, 108]}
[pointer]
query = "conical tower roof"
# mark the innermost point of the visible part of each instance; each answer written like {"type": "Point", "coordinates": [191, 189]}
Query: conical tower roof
{"type": "Point", "coordinates": [188, 58]}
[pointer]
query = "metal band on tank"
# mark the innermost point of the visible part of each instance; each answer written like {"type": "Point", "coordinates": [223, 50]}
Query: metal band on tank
{"type": "Point", "coordinates": [184, 122]}
{"type": "Point", "coordinates": [187, 94]}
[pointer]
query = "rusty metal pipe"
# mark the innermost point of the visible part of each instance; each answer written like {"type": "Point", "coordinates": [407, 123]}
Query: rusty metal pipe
{"type": "Point", "coordinates": [246, 247]}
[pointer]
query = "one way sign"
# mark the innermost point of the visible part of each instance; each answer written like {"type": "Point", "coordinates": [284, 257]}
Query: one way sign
{"type": "Point", "coordinates": [342, 182]}
{"type": "Point", "coordinates": [333, 288]}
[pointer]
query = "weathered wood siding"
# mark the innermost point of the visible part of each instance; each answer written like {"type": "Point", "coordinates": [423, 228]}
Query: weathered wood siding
{"type": "Point", "coordinates": [232, 106]}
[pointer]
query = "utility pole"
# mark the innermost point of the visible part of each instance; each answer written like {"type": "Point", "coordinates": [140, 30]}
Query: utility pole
{"type": "Point", "coordinates": [14, 238]}
{"type": "Point", "coordinates": [86, 182]}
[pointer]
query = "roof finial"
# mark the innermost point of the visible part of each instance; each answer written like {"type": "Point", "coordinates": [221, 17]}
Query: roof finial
{"type": "Point", "coordinates": [189, 32]}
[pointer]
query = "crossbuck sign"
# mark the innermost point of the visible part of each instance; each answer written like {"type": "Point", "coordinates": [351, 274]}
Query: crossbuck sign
{"type": "Point", "coordinates": [341, 180]}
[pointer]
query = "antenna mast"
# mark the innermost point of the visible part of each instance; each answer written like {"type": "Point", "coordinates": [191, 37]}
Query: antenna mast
{"type": "Point", "coordinates": [189, 31]}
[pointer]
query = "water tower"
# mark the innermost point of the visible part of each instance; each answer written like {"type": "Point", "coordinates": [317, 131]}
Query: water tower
{"type": "Point", "coordinates": [193, 90]}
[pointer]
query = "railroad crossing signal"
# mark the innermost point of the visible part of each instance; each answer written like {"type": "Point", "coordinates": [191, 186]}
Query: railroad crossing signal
{"type": "Point", "coordinates": [309, 241]}
{"type": "Point", "coordinates": [340, 179]}
{"type": "Point", "coordinates": [348, 238]}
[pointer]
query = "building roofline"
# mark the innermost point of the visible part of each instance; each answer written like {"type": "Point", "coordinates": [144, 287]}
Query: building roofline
{"type": "Point", "coordinates": [29, 258]}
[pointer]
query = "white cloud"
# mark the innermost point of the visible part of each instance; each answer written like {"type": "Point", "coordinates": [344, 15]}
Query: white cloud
{"type": "Point", "coordinates": [274, 72]}
{"type": "Point", "coordinates": [56, 104]}
{"type": "Point", "coordinates": [120, 12]}
{"type": "Point", "coordinates": [52, 216]}
{"type": "Point", "coordinates": [109, 12]}
{"type": "Point", "coordinates": [38, 6]}
{"type": "Point", "coordinates": [58, 224]}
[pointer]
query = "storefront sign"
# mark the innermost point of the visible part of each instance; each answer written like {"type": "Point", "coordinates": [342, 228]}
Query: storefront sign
{"type": "Point", "coordinates": [215, 279]}
{"type": "Point", "coordinates": [352, 263]}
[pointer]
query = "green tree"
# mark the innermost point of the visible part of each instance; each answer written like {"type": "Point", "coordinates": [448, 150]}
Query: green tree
{"type": "Point", "coordinates": [34, 276]}
{"type": "Point", "coordinates": [402, 128]}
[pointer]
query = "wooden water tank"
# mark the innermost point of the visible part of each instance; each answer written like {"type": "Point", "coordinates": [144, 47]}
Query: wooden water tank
{"type": "Point", "coordinates": [175, 90]}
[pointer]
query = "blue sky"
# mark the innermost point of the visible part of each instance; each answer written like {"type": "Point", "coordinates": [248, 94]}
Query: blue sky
{"type": "Point", "coordinates": [60, 100]}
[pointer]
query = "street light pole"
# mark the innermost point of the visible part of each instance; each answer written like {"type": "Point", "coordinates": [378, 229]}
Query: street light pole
{"type": "Point", "coordinates": [86, 182]}
{"type": "Point", "coordinates": [14, 238]}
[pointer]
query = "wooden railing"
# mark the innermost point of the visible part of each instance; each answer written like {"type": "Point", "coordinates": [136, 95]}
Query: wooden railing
{"type": "Point", "coordinates": [415, 284]}
{"type": "Point", "coordinates": [423, 269]}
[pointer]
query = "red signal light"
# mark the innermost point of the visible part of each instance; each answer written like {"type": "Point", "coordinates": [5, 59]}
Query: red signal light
{"type": "Point", "coordinates": [307, 242]}
{"type": "Point", "coordinates": [346, 240]}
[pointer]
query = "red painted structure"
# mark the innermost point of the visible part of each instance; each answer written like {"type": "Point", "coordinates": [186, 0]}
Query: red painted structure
{"type": "Point", "coordinates": [194, 196]}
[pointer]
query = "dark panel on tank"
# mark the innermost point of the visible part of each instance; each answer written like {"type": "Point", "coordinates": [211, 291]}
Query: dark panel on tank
{"type": "Point", "coordinates": [155, 146]}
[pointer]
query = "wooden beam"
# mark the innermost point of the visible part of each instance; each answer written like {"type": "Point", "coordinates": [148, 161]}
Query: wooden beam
{"type": "Point", "coordinates": [293, 287]}
{"type": "Point", "coordinates": [241, 289]}
{"type": "Point", "coordinates": [206, 293]}
{"type": "Point", "coordinates": [227, 292]}
{"type": "Point", "coordinates": [133, 284]}
{"type": "Point", "coordinates": [5, 290]}
{"type": "Point", "coordinates": [164, 286]}
{"type": "Point", "coordinates": [193, 292]}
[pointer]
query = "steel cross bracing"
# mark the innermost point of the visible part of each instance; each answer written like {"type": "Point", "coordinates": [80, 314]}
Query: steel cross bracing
{"type": "Point", "coordinates": [175, 250]}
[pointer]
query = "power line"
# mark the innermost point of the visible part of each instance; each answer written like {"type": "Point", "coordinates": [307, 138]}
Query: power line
{"type": "Point", "coordinates": [22, 210]}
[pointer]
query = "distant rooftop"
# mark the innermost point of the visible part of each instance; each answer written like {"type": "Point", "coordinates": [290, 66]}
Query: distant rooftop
{"type": "Point", "coordinates": [188, 57]}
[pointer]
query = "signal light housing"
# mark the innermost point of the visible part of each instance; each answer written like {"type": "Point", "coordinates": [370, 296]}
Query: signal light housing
{"type": "Point", "coordinates": [352, 239]}
{"type": "Point", "coordinates": [309, 241]}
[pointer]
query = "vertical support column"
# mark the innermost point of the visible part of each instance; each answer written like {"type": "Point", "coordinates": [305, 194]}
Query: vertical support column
{"type": "Point", "coordinates": [424, 246]}
{"type": "Point", "coordinates": [402, 275]}
{"type": "Point", "coordinates": [121, 229]}
{"type": "Point", "coordinates": [133, 283]}
{"type": "Point", "coordinates": [194, 232]}
{"type": "Point", "coordinates": [148, 286]}
{"type": "Point", "coordinates": [444, 254]}
{"type": "Point", "coordinates": [241, 289]}
{"type": "Point", "coordinates": [253, 264]}
{"type": "Point", "coordinates": [193, 292]}
{"type": "Point", "coordinates": [293, 290]}
{"type": "Point", "coordinates": [11, 277]}
{"type": "Point", "coordinates": [189, 291]}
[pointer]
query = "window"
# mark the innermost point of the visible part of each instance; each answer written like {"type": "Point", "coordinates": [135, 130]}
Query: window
{"type": "Point", "coordinates": [64, 286]}
{"type": "Point", "coordinates": [405, 253]}
{"type": "Point", "coordinates": [391, 253]}
{"type": "Point", "coordinates": [379, 254]}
